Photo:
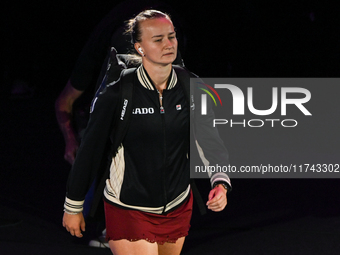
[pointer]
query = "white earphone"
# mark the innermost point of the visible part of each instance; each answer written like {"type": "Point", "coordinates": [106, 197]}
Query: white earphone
{"type": "Point", "coordinates": [140, 50]}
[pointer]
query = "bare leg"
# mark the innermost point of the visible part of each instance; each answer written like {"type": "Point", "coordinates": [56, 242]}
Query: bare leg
{"type": "Point", "coordinates": [171, 248]}
{"type": "Point", "coordinates": [140, 247]}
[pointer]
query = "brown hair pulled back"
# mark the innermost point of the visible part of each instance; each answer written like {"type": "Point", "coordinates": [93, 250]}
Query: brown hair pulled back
{"type": "Point", "coordinates": [133, 25]}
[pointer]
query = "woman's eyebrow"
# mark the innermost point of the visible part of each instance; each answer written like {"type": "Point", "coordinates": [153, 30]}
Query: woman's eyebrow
{"type": "Point", "coordinates": [171, 33]}
{"type": "Point", "coordinates": [157, 36]}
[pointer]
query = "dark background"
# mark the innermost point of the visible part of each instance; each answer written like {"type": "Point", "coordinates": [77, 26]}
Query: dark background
{"type": "Point", "coordinates": [41, 41]}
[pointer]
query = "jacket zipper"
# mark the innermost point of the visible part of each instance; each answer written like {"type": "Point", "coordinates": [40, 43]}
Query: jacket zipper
{"type": "Point", "coordinates": [161, 108]}
{"type": "Point", "coordinates": [162, 111]}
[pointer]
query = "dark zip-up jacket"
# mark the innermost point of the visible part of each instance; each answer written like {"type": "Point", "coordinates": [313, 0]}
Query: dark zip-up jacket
{"type": "Point", "coordinates": [149, 171]}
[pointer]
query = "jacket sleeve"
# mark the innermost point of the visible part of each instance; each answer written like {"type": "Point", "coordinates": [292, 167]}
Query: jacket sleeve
{"type": "Point", "coordinates": [209, 143]}
{"type": "Point", "coordinates": [93, 149]}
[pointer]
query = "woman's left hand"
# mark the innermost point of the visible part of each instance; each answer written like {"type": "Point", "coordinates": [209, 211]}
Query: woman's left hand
{"type": "Point", "coordinates": [217, 198]}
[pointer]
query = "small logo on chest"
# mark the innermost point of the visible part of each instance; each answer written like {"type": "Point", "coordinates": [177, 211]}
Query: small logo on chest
{"type": "Point", "coordinates": [178, 107]}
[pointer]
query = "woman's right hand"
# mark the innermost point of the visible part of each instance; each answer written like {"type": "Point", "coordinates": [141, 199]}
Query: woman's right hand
{"type": "Point", "coordinates": [74, 223]}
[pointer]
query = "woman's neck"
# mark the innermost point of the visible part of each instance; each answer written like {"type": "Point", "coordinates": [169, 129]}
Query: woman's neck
{"type": "Point", "coordinates": [159, 75]}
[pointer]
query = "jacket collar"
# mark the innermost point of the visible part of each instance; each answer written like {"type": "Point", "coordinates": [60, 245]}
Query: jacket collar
{"type": "Point", "coordinates": [145, 80]}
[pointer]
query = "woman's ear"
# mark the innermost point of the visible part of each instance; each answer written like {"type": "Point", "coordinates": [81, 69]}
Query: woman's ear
{"type": "Point", "coordinates": [139, 49]}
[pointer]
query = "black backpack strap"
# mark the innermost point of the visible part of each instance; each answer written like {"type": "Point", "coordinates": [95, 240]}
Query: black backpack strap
{"type": "Point", "coordinates": [111, 70]}
{"type": "Point", "coordinates": [184, 76]}
{"type": "Point", "coordinates": [121, 122]}
{"type": "Point", "coordinates": [125, 107]}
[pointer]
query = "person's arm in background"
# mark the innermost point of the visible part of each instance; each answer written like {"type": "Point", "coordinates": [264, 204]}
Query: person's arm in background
{"type": "Point", "coordinates": [84, 75]}
{"type": "Point", "coordinates": [63, 110]}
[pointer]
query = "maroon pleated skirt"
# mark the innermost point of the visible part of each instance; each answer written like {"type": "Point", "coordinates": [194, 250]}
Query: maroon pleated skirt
{"type": "Point", "coordinates": [135, 225]}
